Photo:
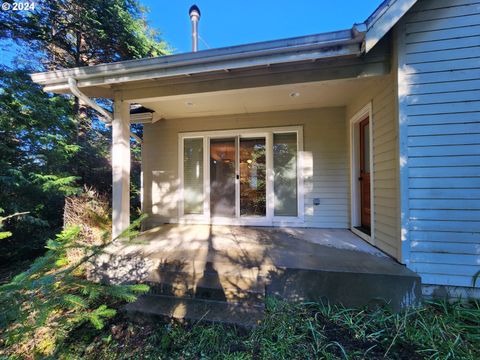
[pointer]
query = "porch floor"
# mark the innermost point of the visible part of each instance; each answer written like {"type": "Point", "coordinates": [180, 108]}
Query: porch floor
{"type": "Point", "coordinates": [245, 263]}
{"type": "Point", "coordinates": [262, 249]}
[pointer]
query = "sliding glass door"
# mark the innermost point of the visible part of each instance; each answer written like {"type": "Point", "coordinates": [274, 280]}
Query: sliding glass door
{"type": "Point", "coordinates": [223, 154]}
{"type": "Point", "coordinates": [193, 176]}
{"type": "Point", "coordinates": [241, 177]}
{"type": "Point", "coordinates": [285, 174]}
{"type": "Point", "coordinates": [253, 180]}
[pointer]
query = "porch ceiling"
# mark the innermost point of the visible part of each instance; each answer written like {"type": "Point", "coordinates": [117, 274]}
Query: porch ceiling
{"type": "Point", "coordinates": [260, 99]}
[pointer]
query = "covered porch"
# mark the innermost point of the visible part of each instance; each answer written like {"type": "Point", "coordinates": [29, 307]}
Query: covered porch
{"type": "Point", "coordinates": [299, 136]}
{"type": "Point", "coordinates": [225, 272]}
{"type": "Point", "coordinates": [302, 94]}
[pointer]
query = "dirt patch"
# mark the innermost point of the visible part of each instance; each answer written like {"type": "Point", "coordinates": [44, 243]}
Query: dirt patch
{"type": "Point", "coordinates": [373, 349]}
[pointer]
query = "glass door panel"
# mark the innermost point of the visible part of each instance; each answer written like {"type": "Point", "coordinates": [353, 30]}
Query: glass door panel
{"type": "Point", "coordinates": [222, 177]}
{"type": "Point", "coordinates": [285, 174]}
{"type": "Point", "coordinates": [193, 176]}
{"type": "Point", "coordinates": [252, 177]}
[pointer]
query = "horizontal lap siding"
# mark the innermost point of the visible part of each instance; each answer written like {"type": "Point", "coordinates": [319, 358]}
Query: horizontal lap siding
{"type": "Point", "coordinates": [385, 174]}
{"type": "Point", "coordinates": [385, 161]}
{"type": "Point", "coordinates": [325, 159]}
{"type": "Point", "coordinates": [441, 89]}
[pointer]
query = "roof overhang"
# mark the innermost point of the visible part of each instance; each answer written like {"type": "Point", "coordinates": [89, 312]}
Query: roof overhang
{"type": "Point", "coordinates": [106, 77]}
{"type": "Point", "coordinates": [244, 60]}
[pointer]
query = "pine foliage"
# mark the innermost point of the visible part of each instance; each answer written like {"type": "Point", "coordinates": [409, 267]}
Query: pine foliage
{"type": "Point", "coordinates": [41, 306]}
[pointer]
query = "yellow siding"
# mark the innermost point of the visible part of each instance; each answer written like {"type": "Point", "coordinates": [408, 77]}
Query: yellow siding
{"type": "Point", "coordinates": [382, 95]}
{"type": "Point", "coordinates": [325, 155]}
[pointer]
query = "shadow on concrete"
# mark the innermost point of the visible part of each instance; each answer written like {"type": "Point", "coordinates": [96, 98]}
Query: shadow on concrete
{"type": "Point", "coordinates": [195, 268]}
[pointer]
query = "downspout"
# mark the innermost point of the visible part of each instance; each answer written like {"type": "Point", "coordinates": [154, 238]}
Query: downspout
{"type": "Point", "coordinates": [107, 115]}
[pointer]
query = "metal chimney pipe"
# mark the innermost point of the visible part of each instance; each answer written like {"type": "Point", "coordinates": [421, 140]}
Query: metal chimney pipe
{"type": "Point", "coordinates": [194, 13]}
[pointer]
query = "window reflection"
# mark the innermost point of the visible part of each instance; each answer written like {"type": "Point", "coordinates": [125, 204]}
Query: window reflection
{"type": "Point", "coordinates": [193, 176]}
{"type": "Point", "coordinates": [252, 177]}
{"type": "Point", "coordinates": [285, 174]}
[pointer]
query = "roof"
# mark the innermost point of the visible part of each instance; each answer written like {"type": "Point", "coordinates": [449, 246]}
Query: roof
{"type": "Point", "coordinates": [383, 19]}
{"type": "Point", "coordinates": [344, 43]}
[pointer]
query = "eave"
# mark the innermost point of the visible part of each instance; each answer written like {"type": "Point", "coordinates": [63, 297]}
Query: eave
{"type": "Point", "coordinates": [384, 19]}
{"type": "Point", "coordinates": [339, 44]}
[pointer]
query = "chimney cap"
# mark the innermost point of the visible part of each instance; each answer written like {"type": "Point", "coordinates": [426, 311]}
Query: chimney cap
{"type": "Point", "coordinates": [194, 11]}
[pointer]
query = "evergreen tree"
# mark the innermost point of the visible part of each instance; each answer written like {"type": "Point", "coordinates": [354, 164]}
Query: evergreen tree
{"type": "Point", "coordinates": [74, 33]}
{"type": "Point", "coordinates": [53, 145]}
{"type": "Point", "coordinates": [36, 154]}
{"type": "Point", "coordinates": [41, 306]}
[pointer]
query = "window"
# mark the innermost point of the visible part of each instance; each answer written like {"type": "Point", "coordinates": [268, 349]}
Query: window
{"type": "Point", "coordinates": [193, 176]}
{"type": "Point", "coordinates": [285, 174]}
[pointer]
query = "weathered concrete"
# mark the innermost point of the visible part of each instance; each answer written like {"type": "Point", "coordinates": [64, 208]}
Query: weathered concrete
{"type": "Point", "coordinates": [238, 265]}
{"type": "Point", "coordinates": [194, 309]}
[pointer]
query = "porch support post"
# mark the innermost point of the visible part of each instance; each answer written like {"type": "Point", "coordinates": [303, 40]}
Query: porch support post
{"type": "Point", "coordinates": [120, 167]}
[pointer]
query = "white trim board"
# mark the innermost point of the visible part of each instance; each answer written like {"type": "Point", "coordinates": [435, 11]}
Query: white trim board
{"type": "Point", "coordinates": [269, 219]}
{"type": "Point", "coordinates": [403, 164]}
{"type": "Point", "coordinates": [363, 113]}
{"type": "Point", "coordinates": [384, 19]}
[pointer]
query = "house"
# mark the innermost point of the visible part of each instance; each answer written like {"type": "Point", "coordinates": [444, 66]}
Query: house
{"type": "Point", "coordinates": [373, 131]}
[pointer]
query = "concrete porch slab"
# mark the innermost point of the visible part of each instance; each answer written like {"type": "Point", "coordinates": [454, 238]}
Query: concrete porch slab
{"type": "Point", "coordinates": [294, 263]}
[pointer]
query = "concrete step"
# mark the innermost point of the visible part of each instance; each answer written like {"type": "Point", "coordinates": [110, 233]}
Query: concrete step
{"type": "Point", "coordinates": [244, 279]}
{"type": "Point", "coordinates": [195, 269]}
{"type": "Point", "coordinates": [218, 294]}
{"type": "Point", "coordinates": [209, 285]}
{"type": "Point", "coordinates": [242, 314]}
{"type": "Point", "coordinates": [349, 288]}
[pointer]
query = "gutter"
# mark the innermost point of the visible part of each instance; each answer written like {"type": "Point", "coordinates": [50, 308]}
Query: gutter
{"type": "Point", "coordinates": [108, 116]}
{"type": "Point", "coordinates": [312, 47]}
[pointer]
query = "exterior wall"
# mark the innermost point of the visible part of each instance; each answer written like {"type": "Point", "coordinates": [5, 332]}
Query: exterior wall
{"type": "Point", "coordinates": [439, 77]}
{"type": "Point", "coordinates": [382, 96]}
{"type": "Point", "coordinates": [325, 156]}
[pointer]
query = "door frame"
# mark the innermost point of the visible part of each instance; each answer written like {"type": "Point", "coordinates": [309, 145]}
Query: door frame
{"type": "Point", "coordinates": [355, 202]}
{"type": "Point", "coordinates": [269, 219]}
{"type": "Point", "coordinates": [238, 219]}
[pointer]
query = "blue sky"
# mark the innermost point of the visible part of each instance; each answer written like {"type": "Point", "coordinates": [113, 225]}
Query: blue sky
{"type": "Point", "coordinates": [233, 22]}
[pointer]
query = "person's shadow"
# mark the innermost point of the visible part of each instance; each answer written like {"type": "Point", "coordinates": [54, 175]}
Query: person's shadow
{"type": "Point", "coordinates": [209, 286]}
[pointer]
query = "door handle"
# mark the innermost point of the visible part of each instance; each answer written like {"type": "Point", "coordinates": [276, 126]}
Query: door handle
{"type": "Point", "coordinates": [360, 178]}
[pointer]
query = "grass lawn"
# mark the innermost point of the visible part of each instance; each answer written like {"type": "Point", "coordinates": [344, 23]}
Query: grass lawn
{"type": "Point", "coordinates": [302, 331]}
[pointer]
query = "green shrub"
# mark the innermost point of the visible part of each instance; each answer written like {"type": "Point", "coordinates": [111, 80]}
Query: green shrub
{"type": "Point", "coordinates": [41, 306]}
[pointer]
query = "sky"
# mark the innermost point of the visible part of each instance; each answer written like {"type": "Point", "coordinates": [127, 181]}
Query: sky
{"type": "Point", "coordinates": [233, 22]}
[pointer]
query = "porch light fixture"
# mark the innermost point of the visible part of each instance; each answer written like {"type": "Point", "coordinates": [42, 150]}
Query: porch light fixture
{"type": "Point", "coordinates": [294, 94]}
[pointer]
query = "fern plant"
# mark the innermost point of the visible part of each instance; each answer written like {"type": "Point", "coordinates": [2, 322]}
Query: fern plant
{"type": "Point", "coordinates": [41, 306]}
